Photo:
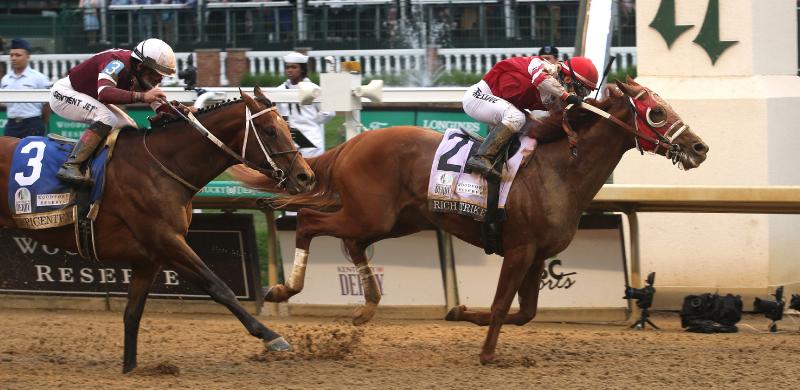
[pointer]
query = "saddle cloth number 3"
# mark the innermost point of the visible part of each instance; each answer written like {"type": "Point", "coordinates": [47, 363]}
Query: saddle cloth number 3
{"type": "Point", "coordinates": [34, 162]}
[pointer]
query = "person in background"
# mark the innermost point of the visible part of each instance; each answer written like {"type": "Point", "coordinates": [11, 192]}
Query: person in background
{"type": "Point", "coordinates": [91, 24]}
{"type": "Point", "coordinates": [549, 53]}
{"type": "Point", "coordinates": [24, 119]}
{"type": "Point", "coordinates": [309, 120]}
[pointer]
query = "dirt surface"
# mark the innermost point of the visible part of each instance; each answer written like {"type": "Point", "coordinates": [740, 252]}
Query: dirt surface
{"type": "Point", "coordinates": [82, 350]}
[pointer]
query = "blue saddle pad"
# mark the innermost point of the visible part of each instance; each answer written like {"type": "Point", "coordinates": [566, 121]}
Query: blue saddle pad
{"type": "Point", "coordinates": [33, 187]}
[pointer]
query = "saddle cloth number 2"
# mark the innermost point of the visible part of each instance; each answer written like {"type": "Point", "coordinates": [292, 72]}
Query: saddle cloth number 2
{"type": "Point", "coordinates": [34, 162]}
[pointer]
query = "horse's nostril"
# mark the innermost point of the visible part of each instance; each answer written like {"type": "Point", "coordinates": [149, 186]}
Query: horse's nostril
{"type": "Point", "coordinates": [700, 147]}
{"type": "Point", "coordinates": [302, 178]}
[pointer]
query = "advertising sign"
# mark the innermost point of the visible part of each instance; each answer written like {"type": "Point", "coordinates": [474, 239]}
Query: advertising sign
{"type": "Point", "coordinates": [437, 120]}
{"type": "Point", "coordinates": [226, 242]}
{"type": "Point", "coordinates": [588, 274]}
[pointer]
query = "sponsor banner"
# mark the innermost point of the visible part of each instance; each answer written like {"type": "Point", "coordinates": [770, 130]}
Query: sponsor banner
{"type": "Point", "coordinates": [588, 274]}
{"type": "Point", "coordinates": [407, 269]}
{"type": "Point", "coordinates": [70, 129]}
{"type": "Point", "coordinates": [225, 242]}
{"type": "Point", "coordinates": [437, 120]}
{"type": "Point", "coordinates": [230, 189]}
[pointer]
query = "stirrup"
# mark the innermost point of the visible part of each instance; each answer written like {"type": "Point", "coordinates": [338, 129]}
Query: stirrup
{"type": "Point", "coordinates": [486, 170]}
{"type": "Point", "coordinates": [68, 175]}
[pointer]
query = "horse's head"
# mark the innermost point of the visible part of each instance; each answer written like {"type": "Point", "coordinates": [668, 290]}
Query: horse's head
{"type": "Point", "coordinates": [656, 120]}
{"type": "Point", "coordinates": [272, 140]}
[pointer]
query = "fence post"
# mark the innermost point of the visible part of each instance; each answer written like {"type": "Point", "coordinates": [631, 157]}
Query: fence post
{"type": "Point", "coordinates": [235, 65]}
{"type": "Point", "coordinates": [208, 67]}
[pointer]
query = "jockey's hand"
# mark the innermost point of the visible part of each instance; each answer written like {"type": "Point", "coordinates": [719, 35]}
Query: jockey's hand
{"type": "Point", "coordinates": [154, 94]}
{"type": "Point", "coordinates": [573, 99]}
{"type": "Point", "coordinates": [184, 109]}
{"type": "Point", "coordinates": [160, 117]}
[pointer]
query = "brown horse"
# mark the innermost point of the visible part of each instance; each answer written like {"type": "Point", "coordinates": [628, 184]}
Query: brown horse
{"type": "Point", "coordinates": [379, 180]}
{"type": "Point", "coordinates": [147, 205]}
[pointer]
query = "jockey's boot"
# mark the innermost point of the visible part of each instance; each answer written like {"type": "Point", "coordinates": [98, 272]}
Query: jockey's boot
{"type": "Point", "coordinates": [84, 148]}
{"type": "Point", "coordinates": [482, 161]}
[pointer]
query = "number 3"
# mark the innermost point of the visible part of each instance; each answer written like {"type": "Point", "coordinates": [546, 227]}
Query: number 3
{"type": "Point", "coordinates": [34, 162]}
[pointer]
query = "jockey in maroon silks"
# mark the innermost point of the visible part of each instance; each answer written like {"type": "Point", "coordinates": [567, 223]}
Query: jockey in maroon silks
{"type": "Point", "coordinates": [115, 76]}
{"type": "Point", "coordinates": [517, 84]}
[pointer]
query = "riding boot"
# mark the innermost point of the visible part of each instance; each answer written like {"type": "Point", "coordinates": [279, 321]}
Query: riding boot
{"type": "Point", "coordinates": [482, 161]}
{"type": "Point", "coordinates": [71, 169]}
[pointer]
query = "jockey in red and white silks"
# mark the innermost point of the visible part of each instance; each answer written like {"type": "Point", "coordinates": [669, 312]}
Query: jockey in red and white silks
{"type": "Point", "coordinates": [517, 84]}
{"type": "Point", "coordinates": [115, 76]}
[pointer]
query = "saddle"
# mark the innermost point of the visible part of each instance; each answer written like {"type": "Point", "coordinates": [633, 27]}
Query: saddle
{"type": "Point", "coordinates": [39, 200]}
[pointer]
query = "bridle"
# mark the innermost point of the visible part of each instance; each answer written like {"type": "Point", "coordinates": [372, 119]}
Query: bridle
{"type": "Point", "coordinates": [275, 172]}
{"type": "Point", "coordinates": [643, 129]}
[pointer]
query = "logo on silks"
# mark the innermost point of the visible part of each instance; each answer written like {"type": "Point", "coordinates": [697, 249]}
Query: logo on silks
{"type": "Point", "coordinates": [22, 201]}
{"type": "Point", "coordinates": [553, 277]}
{"type": "Point", "coordinates": [350, 280]}
{"type": "Point", "coordinates": [444, 184]}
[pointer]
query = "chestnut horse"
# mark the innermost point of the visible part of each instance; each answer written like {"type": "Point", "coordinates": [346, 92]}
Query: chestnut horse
{"type": "Point", "coordinates": [147, 205]}
{"type": "Point", "coordinates": [377, 184]}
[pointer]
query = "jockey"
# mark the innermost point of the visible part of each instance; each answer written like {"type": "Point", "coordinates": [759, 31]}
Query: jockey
{"type": "Point", "coordinates": [115, 76]}
{"type": "Point", "coordinates": [517, 84]}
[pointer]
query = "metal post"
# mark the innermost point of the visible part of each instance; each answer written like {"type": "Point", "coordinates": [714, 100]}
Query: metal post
{"type": "Point", "coordinates": [301, 21]}
{"type": "Point", "coordinates": [447, 259]}
{"type": "Point", "coordinates": [200, 22]}
{"type": "Point", "coordinates": [227, 26]}
{"type": "Point", "coordinates": [104, 23]}
{"type": "Point", "coordinates": [352, 123]}
{"type": "Point", "coordinates": [509, 18]}
{"type": "Point", "coordinates": [635, 272]}
{"type": "Point", "coordinates": [272, 256]}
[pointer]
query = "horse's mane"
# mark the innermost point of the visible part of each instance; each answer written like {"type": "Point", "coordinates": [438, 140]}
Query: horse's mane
{"type": "Point", "coordinates": [208, 109]}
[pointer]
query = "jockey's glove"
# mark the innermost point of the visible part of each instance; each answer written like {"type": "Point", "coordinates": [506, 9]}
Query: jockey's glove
{"type": "Point", "coordinates": [573, 99]}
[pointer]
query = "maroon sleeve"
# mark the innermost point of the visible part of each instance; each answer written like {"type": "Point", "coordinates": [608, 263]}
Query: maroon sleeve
{"type": "Point", "coordinates": [111, 95]}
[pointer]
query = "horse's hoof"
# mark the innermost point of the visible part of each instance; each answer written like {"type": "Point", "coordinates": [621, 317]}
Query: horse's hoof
{"type": "Point", "coordinates": [363, 314]}
{"type": "Point", "coordinates": [487, 358]}
{"type": "Point", "coordinates": [455, 313]}
{"type": "Point", "coordinates": [277, 345]}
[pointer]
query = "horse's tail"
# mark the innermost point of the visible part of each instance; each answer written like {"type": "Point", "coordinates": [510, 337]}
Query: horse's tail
{"type": "Point", "coordinates": [323, 195]}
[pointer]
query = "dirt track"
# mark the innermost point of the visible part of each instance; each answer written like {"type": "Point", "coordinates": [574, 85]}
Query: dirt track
{"type": "Point", "coordinates": [71, 349]}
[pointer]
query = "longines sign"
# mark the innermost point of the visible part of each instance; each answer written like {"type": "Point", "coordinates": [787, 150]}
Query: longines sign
{"type": "Point", "coordinates": [226, 242]}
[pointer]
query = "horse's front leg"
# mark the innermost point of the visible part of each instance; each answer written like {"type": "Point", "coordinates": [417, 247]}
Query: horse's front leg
{"type": "Point", "coordinates": [144, 274]}
{"type": "Point", "coordinates": [191, 267]}
{"type": "Point", "coordinates": [372, 292]}
{"type": "Point", "coordinates": [528, 302]}
{"type": "Point", "coordinates": [515, 266]}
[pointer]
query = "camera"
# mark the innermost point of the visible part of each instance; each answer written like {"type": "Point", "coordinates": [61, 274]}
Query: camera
{"type": "Point", "coordinates": [644, 299]}
{"type": "Point", "coordinates": [189, 74]}
{"type": "Point", "coordinates": [795, 302]}
{"type": "Point", "coordinates": [644, 295]}
{"type": "Point", "coordinates": [771, 309]}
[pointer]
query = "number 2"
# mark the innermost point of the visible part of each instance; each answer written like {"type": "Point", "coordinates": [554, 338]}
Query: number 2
{"type": "Point", "coordinates": [443, 164]}
{"type": "Point", "coordinates": [34, 162]}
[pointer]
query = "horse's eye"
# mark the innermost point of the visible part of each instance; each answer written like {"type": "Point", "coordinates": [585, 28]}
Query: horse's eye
{"type": "Point", "coordinates": [271, 132]}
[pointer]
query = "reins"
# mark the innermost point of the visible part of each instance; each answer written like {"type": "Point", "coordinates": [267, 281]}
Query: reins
{"type": "Point", "coordinates": [275, 173]}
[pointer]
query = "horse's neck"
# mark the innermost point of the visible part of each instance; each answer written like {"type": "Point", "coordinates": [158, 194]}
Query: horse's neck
{"type": "Point", "coordinates": [192, 156]}
{"type": "Point", "coordinates": [600, 149]}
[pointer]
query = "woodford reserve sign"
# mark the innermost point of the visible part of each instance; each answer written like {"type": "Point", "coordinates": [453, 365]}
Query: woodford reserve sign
{"type": "Point", "coordinates": [226, 242]}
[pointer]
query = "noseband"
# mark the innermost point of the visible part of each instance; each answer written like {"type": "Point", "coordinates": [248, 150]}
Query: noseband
{"type": "Point", "coordinates": [275, 172]}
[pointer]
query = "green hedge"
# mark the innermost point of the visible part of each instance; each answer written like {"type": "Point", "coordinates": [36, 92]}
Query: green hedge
{"type": "Point", "coordinates": [404, 79]}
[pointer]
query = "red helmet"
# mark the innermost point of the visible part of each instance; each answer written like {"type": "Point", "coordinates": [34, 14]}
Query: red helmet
{"type": "Point", "coordinates": [582, 69]}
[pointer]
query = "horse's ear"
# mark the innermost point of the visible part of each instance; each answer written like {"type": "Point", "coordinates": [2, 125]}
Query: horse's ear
{"type": "Point", "coordinates": [260, 95]}
{"type": "Point", "coordinates": [630, 81]}
{"type": "Point", "coordinates": [627, 89]}
{"type": "Point", "coordinates": [248, 101]}
{"type": "Point", "coordinates": [614, 91]}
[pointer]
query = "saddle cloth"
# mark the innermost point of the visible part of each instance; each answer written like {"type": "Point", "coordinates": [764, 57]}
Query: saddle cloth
{"type": "Point", "coordinates": [450, 190]}
{"type": "Point", "coordinates": [36, 197]}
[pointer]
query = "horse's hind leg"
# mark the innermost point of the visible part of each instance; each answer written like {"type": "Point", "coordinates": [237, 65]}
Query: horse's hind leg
{"type": "Point", "coordinates": [143, 276]}
{"type": "Point", "coordinates": [372, 293]}
{"type": "Point", "coordinates": [191, 267]}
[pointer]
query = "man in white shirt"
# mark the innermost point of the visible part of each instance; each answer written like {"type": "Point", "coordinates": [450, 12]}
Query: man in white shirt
{"type": "Point", "coordinates": [309, 120]}
{"type": "Point", "coordinates": [24, 119]}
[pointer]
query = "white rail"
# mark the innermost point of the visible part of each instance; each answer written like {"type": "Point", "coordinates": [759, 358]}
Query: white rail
{"type": "Point", "coordinates": [374, 62]}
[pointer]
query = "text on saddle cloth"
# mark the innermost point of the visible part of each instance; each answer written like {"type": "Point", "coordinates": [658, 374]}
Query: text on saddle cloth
{"type": "Point", "coordinates": [36, 197]}
{"type": "Point", "coordinates": [450, 190]}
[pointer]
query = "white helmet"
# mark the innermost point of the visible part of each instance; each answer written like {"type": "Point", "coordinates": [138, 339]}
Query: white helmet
{"type": "Point", "coordinates": [156, 55]}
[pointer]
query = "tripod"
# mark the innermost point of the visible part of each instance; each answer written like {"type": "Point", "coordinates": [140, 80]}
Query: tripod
{"type": "Point", "coordinates": [644, 319]}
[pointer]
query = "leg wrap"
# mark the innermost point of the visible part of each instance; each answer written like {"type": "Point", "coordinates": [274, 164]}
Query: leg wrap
{"type": "Point", "coordinates": [298, 275]}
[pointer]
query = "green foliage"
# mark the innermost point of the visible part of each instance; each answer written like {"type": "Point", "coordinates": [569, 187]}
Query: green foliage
{"type": "Point", "coordinates": [402, 79]}
{"type": "Point", "coordinates": [457, 79]}
{"type": "Point", "coordinates": [621, 74]}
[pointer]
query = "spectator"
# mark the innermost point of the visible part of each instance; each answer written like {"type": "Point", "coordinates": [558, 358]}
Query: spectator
{"type": "Point", "coordinates": [549, 53]}
{"type": "Point", "coordinates": [145, 20]}
{"type": "Point", "coordinates": [24, 119]}
{"type": "Point", "coordinates": [91, 24]}
{"type": "Point", "coordinates": [308, 120]}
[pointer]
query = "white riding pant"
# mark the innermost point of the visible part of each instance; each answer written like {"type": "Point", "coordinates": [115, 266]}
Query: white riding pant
{"type": "Point", "coordinates": [481, 105]}
{"type": "Point", "coordinates": [80, 107]}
